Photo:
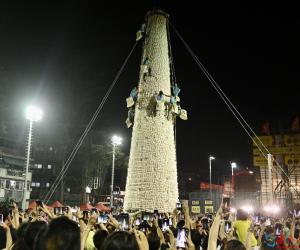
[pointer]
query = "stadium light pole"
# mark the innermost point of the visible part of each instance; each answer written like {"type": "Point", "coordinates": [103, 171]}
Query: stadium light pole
{"type": "Point", "coordinates": [233, 165]}
{"type": "Point", "coordinates": [210, 191]}
{"type": "Point", "coordinates": [33, 114]}
{"type": "Point", "coordinates": [116, 141]}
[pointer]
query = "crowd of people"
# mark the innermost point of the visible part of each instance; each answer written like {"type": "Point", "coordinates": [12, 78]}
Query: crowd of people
{"type": "Point", "coordinates": [69, 228]}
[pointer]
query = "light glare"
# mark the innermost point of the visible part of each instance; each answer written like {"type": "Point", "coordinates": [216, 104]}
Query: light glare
{"type": "Point", "coordinates": [233, 165]}
{"type": "Point", "coordinates": [232, 210]}
{"type": "Point", "coordinates": [248, 208]}
{"type": "Point", "coordinates": [33, 113]}
{"type": "Point", "coordinates": [116, 140]}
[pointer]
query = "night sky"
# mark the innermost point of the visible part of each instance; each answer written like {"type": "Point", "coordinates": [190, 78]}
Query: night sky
{"type": "Point", "coordinates": [64, 57]}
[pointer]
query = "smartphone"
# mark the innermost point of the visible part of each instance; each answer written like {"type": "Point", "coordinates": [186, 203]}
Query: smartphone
{"type": "Point", "coordinates": [178, 206]}
{"type": "Point", "coordinates": [94, 210]}
{"type": "Point", "coordinates": [102, 218]}
{"type": "Point", "coordinates": [278, 228]}
{"type": "Point", "coordinates": [57, 210]}
{"type": "Point", "coordinates": [73, 210]}
{"type": "Point", "coordinates": [180, 239]}
{"type": "Point", "coordinates": [74, 218]}
{"type": "Point", "coordinates": [147, 216]}
{"type": "Point", "coordinates": [65, 210]}
{"type": "Point", "coordinates": [138, 221]}
{"type": "Point", "coordinates": [227, 227]}
{"type": "Point", "coordinates": [123, 220]}
{"type": "Point", "coordinates": [226, 202]}
{"type": "Point", "coordinates": [1, 218]}
{"type": "Point", "coordinates": [155, 212]}
{"type": "Point", "coordinates": [85, 214]}
{"type": "Point", "coordinates": [170, 222]}
{"type": "Point", "coordinates": [165, 225]}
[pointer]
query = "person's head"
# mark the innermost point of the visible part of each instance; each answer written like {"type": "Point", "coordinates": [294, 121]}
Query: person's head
{"type": "Point", "coordinates": [31, 232]}
{"type": "Point", "coordinates": [269, 230]}
{"type": "Point", "coordinates": [120, 240]}
{"type": "Point", "coordinates": [153, 240]}
{"type": "Point", "coordinates": [62, 234]}
{"type": "Point", "coordinates": [234, 245]}
{"type": "Point", "coordinates": [241, 214]}
{"type": "Point", "coordinates": [99, 238]}
{"type": "Point", "coordinates": [20, 235]}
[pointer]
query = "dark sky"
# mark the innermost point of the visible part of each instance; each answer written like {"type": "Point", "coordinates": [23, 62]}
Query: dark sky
{"type": "Point", "coordinates": [64, 57]}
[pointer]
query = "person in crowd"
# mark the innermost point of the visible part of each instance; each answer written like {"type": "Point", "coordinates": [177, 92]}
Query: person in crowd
{"type": "Point", "coordinates": [61, 234]}
{"type": "Point", "coordinates": [241, 227]}
{"type": "Point", "coordinates": [122, 240]}
{"type": "Point", "coordinates": [46, 231]}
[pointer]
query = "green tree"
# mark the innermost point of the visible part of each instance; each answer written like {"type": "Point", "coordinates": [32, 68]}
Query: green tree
{"type": "Point", "coordinates": [98, 166]}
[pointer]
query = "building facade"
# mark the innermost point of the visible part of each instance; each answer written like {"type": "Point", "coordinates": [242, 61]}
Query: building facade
{"type": "Point", "coordinates": [12, 177]}
{"type": "Point", "coordinates": [285, 174]}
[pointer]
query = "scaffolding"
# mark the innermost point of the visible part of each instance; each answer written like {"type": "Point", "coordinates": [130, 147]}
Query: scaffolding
{"type": "Point", "coordinates": [284, 185]}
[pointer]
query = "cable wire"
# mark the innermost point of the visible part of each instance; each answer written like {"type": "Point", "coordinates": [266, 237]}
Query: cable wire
{"type": "Point", "coordinates": [87, 129]}
{"type": "Point", "coordinates": [229, 104]}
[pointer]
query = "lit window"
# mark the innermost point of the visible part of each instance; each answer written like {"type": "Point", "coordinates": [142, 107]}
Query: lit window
{"type": "Point", "coordinates": [39, 165]}
{"type": "Point", "coordinates": [33, 184]}
{"type": "Point", "coordinates": [12, 184]}
{"type": "Point", "coordinates": [37, 184]}
{"type": "Point", "coordinates": [49, 166]}
{"type": "Point", "coordinates": [47, 184]}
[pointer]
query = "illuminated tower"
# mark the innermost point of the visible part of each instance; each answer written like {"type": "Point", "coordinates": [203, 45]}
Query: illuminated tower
{"type": "Point", "coordinates": [152, 172]}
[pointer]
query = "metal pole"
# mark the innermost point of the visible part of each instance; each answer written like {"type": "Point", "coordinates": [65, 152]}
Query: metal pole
{"type": "Point", "coordinates": [112, 177]}
{"type": "Point", "coordinates": [210, 192]}
{"type": "Point", "coordinates": [27, 166]}
{"type": "Point", "coordinates": [270, 165]}
{"type": "Point", "coordinates": [232, 180]}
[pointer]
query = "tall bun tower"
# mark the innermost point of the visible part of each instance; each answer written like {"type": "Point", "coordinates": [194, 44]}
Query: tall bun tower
{"type": "Point", "coordinates": [152, 172]}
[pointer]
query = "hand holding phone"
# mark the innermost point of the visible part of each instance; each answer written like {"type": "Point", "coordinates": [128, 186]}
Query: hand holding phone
{"type": "Point", "coordinates": [85, 214]}
{"type": "Point", "coordinates": [165, 225]}
{"type": "Point", "coordinates": [123, 220]}
{"type": "Point", "coordinates": [103, 218]}
{"type": "Point", "coordinates": [178, 206]}
{"type": "Point", "coordinates": [227, 227]}
{"type": "Point", "coordinates": [226, 204]}
{"type": "Point", "coordinates": [182, 233]}
{"type": "Point", "coordinates": [65, 210]}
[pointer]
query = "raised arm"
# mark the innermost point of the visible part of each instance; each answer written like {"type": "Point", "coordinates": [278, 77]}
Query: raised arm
{"type": "Point", "coordinates": [214, 231]}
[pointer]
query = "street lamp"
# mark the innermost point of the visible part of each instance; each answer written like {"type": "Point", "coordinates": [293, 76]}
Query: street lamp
{"type": "Point", "coordinates": [210, 159]}
{"type": "Point", "coordinates": [33, 114]}
{"type": "Point", "coordinates": [116, 141]}
{"type": "Point", "coordinates": [233, 165]}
